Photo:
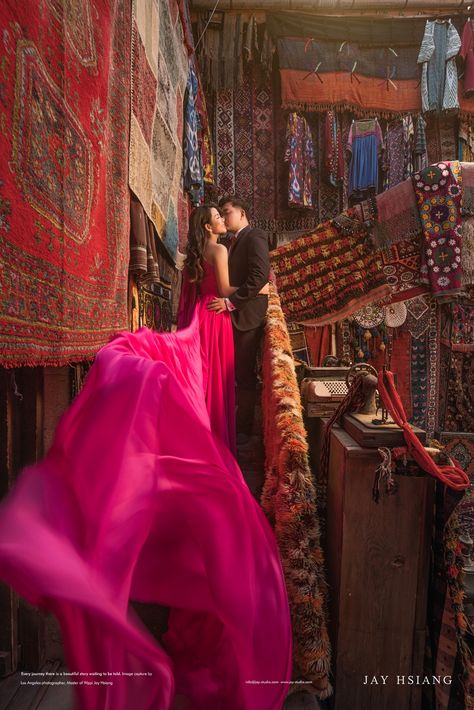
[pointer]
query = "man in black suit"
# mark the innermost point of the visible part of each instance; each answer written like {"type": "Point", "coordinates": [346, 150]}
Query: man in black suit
{"type": "Point", "coordinates": [249, 268]}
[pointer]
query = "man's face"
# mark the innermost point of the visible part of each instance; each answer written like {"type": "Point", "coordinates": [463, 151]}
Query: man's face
{"type": "Point", "coordinates": [233, 216]}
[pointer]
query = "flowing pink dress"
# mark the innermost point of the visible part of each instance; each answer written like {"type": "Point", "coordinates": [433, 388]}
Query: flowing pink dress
{"type": "Point", "coordinates": [138, 498]}
{"type": "Point", "coordinates": [217, 353]}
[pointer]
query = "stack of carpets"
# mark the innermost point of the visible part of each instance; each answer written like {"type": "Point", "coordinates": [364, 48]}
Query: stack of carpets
{"type": "Point", "coordinates": [289, 500]}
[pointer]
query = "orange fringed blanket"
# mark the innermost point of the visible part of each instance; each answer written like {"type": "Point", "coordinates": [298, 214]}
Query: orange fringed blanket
{"type": "Point", "coordinates": [325, 276]}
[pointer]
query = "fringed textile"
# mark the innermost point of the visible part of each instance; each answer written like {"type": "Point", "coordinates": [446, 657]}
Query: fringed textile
{"type": "Point", "coordinates": [289, 501]}
{"type": "Point", "coordinates": [398, 218]}
{"type": "Point", "coordinates": [325, 276]}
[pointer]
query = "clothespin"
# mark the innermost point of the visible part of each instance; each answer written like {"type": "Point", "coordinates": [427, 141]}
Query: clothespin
{"type": "Point", "coordinates": [353, 72]}
{"type": "Point", "coordinates": [315, 72]}
{"type": "Point", "coordinates": [388, 80]}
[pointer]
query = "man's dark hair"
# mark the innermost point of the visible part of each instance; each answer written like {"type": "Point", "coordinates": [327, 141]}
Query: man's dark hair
{"type": "Point", "coordinates": [235, 202]}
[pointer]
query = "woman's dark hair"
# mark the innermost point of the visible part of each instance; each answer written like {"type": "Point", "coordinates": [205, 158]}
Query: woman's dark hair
{"type": "Point", "coordinates": [197, 237]}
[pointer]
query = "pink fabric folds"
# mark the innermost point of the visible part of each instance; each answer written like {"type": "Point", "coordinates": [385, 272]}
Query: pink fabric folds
{"type": "Point", "coordinates": [139, 499]}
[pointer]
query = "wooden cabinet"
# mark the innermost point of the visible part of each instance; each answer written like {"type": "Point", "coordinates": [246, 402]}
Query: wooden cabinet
{"type": "Point", "coordinates": [377, 560]}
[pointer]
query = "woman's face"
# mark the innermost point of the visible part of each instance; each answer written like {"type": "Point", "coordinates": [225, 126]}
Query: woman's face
{"type": "Point", "coordinates": [217, 224]}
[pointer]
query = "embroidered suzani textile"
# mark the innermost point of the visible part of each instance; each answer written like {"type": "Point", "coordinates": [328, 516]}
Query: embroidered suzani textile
{"type": "Point", "coordinates": [439, 202]}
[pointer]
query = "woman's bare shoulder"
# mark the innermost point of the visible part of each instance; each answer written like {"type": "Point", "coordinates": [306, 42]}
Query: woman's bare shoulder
{"type": "Point", "coordinates": [215, 251]}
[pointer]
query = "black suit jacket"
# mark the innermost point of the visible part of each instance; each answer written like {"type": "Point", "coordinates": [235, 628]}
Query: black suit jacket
{"type": "Point", "coordinates": [249, 269]}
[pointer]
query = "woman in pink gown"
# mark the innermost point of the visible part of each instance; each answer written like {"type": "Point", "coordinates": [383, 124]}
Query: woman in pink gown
{"type": "Point", "coordinates": [140, 498]}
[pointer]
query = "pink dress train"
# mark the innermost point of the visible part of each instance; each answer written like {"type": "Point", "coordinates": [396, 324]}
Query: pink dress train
{"type": "Point", "coordinates": [217, 357]}
{"type": "Point", "coordinates": [138, 498]}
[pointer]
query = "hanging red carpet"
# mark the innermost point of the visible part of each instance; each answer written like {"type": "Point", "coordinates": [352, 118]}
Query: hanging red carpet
{"type": "Point", "coordinates": [64, 208]}
{"type": "Point", "coordinates": [325, 276]}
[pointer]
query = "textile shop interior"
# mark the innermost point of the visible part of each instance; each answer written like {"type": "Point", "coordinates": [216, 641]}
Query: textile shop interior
{"type": "Point", "coordinates": [350, 138]}
{"type": "Point", "coordinates": [350, 135]}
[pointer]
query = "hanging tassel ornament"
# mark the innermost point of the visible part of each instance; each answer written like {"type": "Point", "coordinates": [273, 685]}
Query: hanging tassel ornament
{"type": "Point", "coordinates": [383, 472]}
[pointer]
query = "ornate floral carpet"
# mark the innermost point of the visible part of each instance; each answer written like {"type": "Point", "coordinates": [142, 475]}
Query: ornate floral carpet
{"type": "Point", "coordinates": [64, 208]}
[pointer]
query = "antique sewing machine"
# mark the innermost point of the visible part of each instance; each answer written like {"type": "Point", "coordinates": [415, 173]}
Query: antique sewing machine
{"type": "Point", "coordinates": [324, 388]}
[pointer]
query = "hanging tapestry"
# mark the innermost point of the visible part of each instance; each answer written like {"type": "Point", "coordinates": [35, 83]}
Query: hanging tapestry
{"type": "Point", "coordinates": [465, 141]}
{"type": "Point", "coordinates": [457, 390]}
{"type": "Point", "coordinates": [320, 74]}
{"type": "Point", "coordinates": [417, 321]}
{"type": "Point", "coordinates": [368, 31]}
{"type": "Point", "coordinates": [398, 218]}
{"type": "Point", "coordinates": [299, 346]}
{"type": "Point", "coordinates": [159, 77]}
{"type": "Point", "coordinates": [64, 201]}
{"type": "Point", "coordinates": [401, 266]}
{"type": "Point", "coordinates": [458, 329]}
{"type": "Point", "coordinates": [245, 146]}
{"type": "Point", "coordinates": [243, 143]}
{"type": "Point", "coordinates": [334, 149]}
{"type": "Point", "coordinates": [263, 150]}
{"type": "Point", "coordinates": [394, 155]}
{"type": "Point", "coordinates": [325, 276]}
{"type": "Point", "coordinates": [300, 157]}
{"type": "Point", "coordinates": [154, 306]}
{"type": "Point", "coordinates": [460, 446]}
{"type": "Point", "coordinates": [420, 145]}
{"type": "Point", "coordinates": [467, 174]}
{"type": "Point", "coordinates": [439, 203]}
{"type": "Point", "coordinates": [419, 380]}
{"type": "Point", "coordinates": [192, 160]}
{"type": "Point", "coordinates": [225, 149]}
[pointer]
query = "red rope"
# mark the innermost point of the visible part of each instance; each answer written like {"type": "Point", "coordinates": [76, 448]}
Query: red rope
{"type": "Point", "coordinates": [452, 476]}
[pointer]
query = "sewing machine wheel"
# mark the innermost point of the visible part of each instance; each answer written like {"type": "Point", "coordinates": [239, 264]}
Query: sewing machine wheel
{"type": "Point", "coordinates": [360, 368]}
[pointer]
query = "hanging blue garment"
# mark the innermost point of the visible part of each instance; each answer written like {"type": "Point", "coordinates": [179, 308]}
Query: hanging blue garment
{"type": "Point", "coordinates": [192, 161]}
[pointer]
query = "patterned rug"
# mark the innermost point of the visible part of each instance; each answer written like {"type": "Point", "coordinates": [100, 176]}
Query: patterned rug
{"type": "Point", "coordinates": [325, 276]}
{"type": "Point", "coordinates": [159, 76]}
{"type": "Point", "coordinates": [401, 266]}
{"type": "Point", "coordinates": [245, 146]}
{"type": "Point", "coordinates": [64, 202]}
{"type": "Point", "coordinates": [243, 142]}
{"type": "Point", "coordinates": [457, 390]}
{"type": "Point", "coordinates": [263, 150]}
{"type": "Point", "coordinates": [225, 146]}
{"type": "Point", "coordinates": [397, 216]}
{"type": "Point", "coordinates": [154, 306]}
{"type": "Point", "coordinates": [419, 381]}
